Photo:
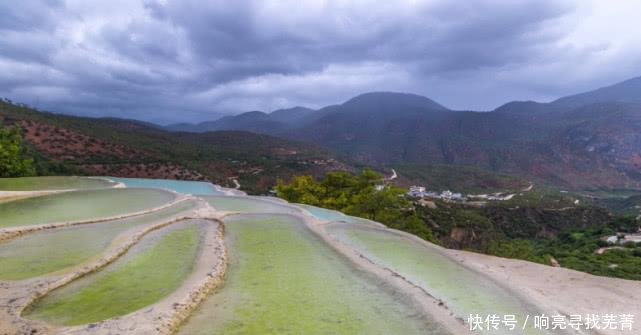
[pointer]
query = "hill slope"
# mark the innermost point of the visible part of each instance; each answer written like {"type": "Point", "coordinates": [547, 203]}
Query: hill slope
{"type": "Point", "coordinates": [127, 148]}
{"type": "Point", "coordinates": [626, 91]}
{"type": "Point", "coordinates": [595, 145]}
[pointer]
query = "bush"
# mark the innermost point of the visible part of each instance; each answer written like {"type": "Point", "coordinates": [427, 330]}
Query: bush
{"type": "Point", "coordinates": [13, 162]}
{"type": "Point", "coordinates": [630, 244]}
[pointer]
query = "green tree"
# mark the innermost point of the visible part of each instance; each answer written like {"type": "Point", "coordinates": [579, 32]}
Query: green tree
{"type": "Point", "coordinates": [357, 195]}
{"type": "Point", "coordinates": [302, 189]}
{"type": "Point", "coordinates": [13, 162]}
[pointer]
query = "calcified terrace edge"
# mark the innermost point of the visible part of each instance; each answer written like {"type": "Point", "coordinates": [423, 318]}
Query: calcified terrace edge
{"type": "Point", "coordinates": [17, 195]}
{"type": "Point", "coordinates": [13, 232]}
{"type": "Point", "coordinates": [436, 310]}
{"type": "Point", "coordinates": [166, 316]}
{"type": "Point", "coordinates": [160, 318]}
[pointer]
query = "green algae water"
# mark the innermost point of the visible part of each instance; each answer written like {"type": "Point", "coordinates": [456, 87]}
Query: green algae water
{"type": "Point", "coordinates": [151, 270]}
{"type": "Point", "coordinates": [284, 280]}
{"type": "Point", "coordinates": [465, 291]}
{"type": "Point", "coordinates": [80, 205]}
{"type": "Point", "coordinates": [246, 204]}
{"type": "Point", "coordinates": [52, 183]}
{"type": "Point", "coordinates": [49, 251]}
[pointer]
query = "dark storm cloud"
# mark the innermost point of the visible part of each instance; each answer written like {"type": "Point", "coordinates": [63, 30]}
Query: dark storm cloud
{"type": "Point", "coordinates": [171, 60]}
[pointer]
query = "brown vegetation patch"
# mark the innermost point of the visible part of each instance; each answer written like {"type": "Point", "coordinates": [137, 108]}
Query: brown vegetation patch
{"type": "Point", "coordinates": [67, 145]}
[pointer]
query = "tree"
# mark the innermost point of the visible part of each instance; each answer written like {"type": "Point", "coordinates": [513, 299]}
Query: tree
{"type": "Point", "coordinates": [302, 189]}
{"type": "Point", "coordinates": [13, 162]}
{"type": "Point", "coordinates": [357, 195]}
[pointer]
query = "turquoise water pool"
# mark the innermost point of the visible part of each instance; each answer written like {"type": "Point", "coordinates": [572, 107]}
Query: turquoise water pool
{"type": "Point", "coordinates": [180, 186]}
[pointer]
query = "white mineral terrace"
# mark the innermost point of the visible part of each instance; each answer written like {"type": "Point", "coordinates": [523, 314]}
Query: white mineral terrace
{"type": "Point", "coordinates": [532, 288]}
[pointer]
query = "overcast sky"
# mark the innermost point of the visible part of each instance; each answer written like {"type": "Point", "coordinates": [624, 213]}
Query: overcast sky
{"type": "Point", "coordinates": [186, 60]}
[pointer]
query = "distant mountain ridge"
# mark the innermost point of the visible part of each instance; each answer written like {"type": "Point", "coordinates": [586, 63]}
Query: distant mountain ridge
{"type": "Point", "coordinates": [254, 121]}
{"type": "Point", "coordinates": [590, 139]}
{"type": "Point", "coordinates": [283, 120]}
{"type": "Point", "coordinates": [628, 91]}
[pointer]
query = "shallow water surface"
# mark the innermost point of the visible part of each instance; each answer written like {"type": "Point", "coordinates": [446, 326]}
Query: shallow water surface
{"type": "Point", "coordinates": [323, 214]}
{"type": "Point", "coordinates": [52, 183]}
{"type": "Point", "coordinates": [284, 280]}
{"type": "Point", "coordinates": [179, 186]}
{"type": "Point", "coordinates": [329, 215]}
{"type": "Point", "coordinates": [47, 251]}
{"type": "Point", "coordinates": [245, 204]}
{"type": "Point", "coordinates": [465, 291]}
{"type": "Point", "coordinates": [80, 205]}
{"type": "Point", "coordinates": [151, 270]}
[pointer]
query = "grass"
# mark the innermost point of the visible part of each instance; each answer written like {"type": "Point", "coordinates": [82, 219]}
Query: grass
{"type": "Point", "coordinates": [131, 285]}
{"type": "Point", "coordinates": [283, 280]}
{"type": "Point", "coordinates": [575, 251]}
{"type": "Point", "coordinates": [51, 183]}
{"type": "Point", "coordinates": [80, 205]}
{"type": "Point", "coordinates": [54, 250]}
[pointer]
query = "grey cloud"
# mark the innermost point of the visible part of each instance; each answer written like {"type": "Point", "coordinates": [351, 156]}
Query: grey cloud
{"type": "Point", "coordinates": [29, 15]}
{"type": "Point", "coordinates": [176, 60]}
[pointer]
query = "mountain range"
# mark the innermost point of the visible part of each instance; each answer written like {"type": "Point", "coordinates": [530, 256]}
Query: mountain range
{"type": "Point", "coordinates": [587, 140]}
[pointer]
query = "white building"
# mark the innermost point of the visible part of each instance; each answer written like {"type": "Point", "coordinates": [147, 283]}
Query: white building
{"type": "Point", "coordinates": [416, 191]}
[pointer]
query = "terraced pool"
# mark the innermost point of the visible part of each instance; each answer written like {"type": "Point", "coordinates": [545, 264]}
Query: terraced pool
{"type": "Point", "coordinates": [322, 213]}
{"type": "Point", "coordinates": [51, 183]}
{"type": "Point", "coordinates": [246, 204]}
{"type": "Point", "coordinates": [151, 270]}
{"type": "Point", "coordinates": [49, 251]}
{"type": "Point", "coordinates": [284, 280]}
{"type": "Point", "coordinates": [329, 215]}
{"type": "Point", "coordinates": [465, 291]}
{"type": "Point", "coordinates": [179, 186]}
{"type": "Point", "coordinates": [80, 205]}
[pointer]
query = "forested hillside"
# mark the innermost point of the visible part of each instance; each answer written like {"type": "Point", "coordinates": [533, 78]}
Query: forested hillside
{"type": "Point", "coordinates": [540, 226]}
{"type": "Point", "coordinates": [63, 144]}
